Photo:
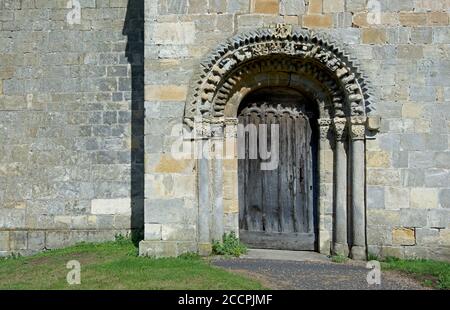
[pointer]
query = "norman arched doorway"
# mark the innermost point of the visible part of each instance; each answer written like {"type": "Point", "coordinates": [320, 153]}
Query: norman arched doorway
{"type": "Point", "coordinates": [277, 164]}
{"type": "Point", "coordinates": [289, 58]}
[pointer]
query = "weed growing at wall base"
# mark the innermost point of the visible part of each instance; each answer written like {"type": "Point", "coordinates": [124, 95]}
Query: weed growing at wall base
{"type": "Point", "coordinates": [230, 246]}
{"type": "Point", "coordinates": [339, 259]}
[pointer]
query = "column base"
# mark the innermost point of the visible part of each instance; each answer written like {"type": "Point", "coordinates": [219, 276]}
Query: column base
{"type": "Point", "coordinates": [159, 249]}
{"type": "Point", "coordinates": [340, 249]}
{"type": "Point", "coordinates": [358, 252]}
{"type": "Point", "coordinates": [204, 249]}
{"type": "Point", "coordinates": [325, 247]}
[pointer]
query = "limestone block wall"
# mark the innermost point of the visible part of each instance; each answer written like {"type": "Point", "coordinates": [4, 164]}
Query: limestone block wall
{"type": "Point", "coordinates": [403, 47]}
{"type": "Point", "coordinates": [408, 176]}
{"type": "Point", "coordinates": [70, 127]}
{"type": "Point", "coordinates": [72, 123]}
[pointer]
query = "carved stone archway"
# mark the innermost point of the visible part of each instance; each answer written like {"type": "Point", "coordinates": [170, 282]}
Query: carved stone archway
{"type": "Point", "coordinates": [284, 56]}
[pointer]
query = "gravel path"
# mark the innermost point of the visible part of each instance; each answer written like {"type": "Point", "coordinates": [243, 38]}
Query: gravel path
{"type": "Point", "coordinates": [295, 275]}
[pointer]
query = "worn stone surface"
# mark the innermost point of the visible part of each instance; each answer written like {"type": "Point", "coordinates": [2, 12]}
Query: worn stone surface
{"type": "Point", "coordinates": [111, 206]}
{"type": "Point", "coordinates": [404, 236]}
{"type": "Point", "coordinates": [159, 249]}
{"type": "Point", "coordinates": [266, 6]}
{"type": "Point", "coordinates": [424, 198]}
{"type": "Point", "coordinates": [292, 7]}
{"type": "Point", "coordinates": [317, 21]}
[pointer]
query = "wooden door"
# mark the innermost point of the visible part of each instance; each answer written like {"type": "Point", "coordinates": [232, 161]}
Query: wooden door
{"type": "Point", "coordinates": [276, 206]}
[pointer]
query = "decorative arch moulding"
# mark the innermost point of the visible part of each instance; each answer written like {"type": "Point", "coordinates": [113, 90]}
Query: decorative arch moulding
{"type": "Point", "coordinates": [280, 48]}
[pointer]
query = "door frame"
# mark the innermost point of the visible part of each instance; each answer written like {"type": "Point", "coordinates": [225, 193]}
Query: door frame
{"type": "Point", "coordinates": [305, 241]}
{"type": "Point", "coordinates": [285, 56]}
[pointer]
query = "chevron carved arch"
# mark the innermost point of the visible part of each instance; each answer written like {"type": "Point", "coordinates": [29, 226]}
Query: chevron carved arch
{"type": "Point", "coordinates": [303, 50]}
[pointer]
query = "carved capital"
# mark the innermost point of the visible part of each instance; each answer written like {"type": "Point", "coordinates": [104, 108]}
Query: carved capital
{"type": "Point", "coordinates": [324, 127]}
{"type": "Point", "coordinates": [358, 127]}
{"type": "Point", "coordinates": [231, 127]}
{"type": "Point", "coordinates": [340, 128]}
{"type": "Point", "coordinates": [202, 128]}
{"type": "Point", "coordinates": [217, 130]}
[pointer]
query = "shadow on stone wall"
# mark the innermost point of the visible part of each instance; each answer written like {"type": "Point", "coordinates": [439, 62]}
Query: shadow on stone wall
{"type": "Point", "coordinates": [134, 30]}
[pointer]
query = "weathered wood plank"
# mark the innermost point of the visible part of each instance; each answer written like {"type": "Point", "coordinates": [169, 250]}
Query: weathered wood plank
{"type": "Point", "coordinates": [278, 240]}
{"type": "Point", "coordinates": [270, 186]}
{"type": "Point", "coordinates": [297, 167]}
{"type": "Point", "coordinates": [254, 186]}
{"type": "Point", "coordinates": [243, 176]}
{"type": "Point", "coordinates": [290, 158]}
{"type": "Point", "coordinates": [283, 199]}
{"type": "Point", "coordinates": [310, 184]}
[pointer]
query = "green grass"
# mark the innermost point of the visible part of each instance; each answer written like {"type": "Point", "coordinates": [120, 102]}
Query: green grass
{"type": "Point", "coordinates": [116, 265]}
{"type": "Point", "coordinates": [431, 273]}
{"type": "Point", "coordinates": [339, 259]}
{"type": "Point", "coordinates": [371, 257]}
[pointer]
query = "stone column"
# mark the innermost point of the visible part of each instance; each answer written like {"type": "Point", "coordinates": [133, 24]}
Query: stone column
{"type": "Point", "coordinates": [358, 250]}
{"type": "Point", "coordinates": [340, 245]}
{"type": "Point", "coordinates": [202, 133]}
{"type": "Point", "coordinates": [325, 203]}
{"type": "Point", "coordinates": [230, 177]}
{"type": "Point", "coordinates": [217, 144]}
{"type": "Point", "coordinates": [204, 238]}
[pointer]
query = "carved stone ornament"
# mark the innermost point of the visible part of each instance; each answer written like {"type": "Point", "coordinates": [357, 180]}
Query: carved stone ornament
{"type": "Point", "coordinates": [213, 84]}
{"type": "Point", "coordinates": [282, 30]}
{"type": "Point", "coordinates": [340, 128]}
{"type": "Point", "coordinates": [231, 127]}
{"type": "Point", "coordinates": [201, 128]}
{"type": "Point", "coordinates": [358, 127]}
{"type": "Point", "coordinates": [324, 127]}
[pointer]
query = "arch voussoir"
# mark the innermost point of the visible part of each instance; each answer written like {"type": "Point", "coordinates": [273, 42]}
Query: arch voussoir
{"type": "Point", "coordinates": [303, 50]}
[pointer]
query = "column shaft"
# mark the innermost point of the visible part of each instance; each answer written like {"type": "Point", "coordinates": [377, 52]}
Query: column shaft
{"type": "Point", "coordinates": [340, 246]}
{"type": "Point", "coordinates": [358, 250]}
{"type": "Point", "coordinates": [325, 212]}
{"type": "Point", "coordinates": [204, 212]}
{"type": "Point", "coordinates": [217, 226]}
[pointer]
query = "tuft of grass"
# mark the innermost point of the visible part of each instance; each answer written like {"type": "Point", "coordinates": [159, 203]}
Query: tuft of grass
{"type": "Point", "coordinates": [127, 240]}
{"type": "Point", "coordinates": [189, 255]}
{"type": "Point", "coordinates": [116, 265]}
{"type": "Point", "coordinates": [230, 246]}
{"type": "Point", "coordinates": [339, 259]}
{"type": "Point", "coordinates": [121, 239]}
{"type": "Point", "coordinates": [431, 273]}
{"type": "Point", "coordinates": [372, 256]}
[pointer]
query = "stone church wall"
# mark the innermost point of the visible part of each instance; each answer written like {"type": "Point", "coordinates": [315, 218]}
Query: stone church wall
{"type": "Point", "coordinates": [72, 127]}
{"type": "Point", "coordinates": [67, 143]}
{"type": "Point", "coordinates": [403, 48]}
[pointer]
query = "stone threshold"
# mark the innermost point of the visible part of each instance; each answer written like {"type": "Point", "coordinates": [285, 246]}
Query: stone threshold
{"type": "Point", "coordinates": [297, 256]}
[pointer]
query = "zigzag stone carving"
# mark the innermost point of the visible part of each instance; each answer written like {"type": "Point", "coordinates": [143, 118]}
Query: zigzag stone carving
{"type": "Point", "coordinates": [307, 71]}
{"type": "Point", "coordinates": [316, 53]}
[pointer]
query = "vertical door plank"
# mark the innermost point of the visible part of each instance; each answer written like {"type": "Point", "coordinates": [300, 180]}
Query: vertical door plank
{"type": "Point", "coordinates": [283, 176]}
{"type": "Point", "coordinates": [298, 205]}
{"type": "Point", "coordinates": [241, 177]}
{"type": "Point", "coordinates": [270, 184]}
{"type": "Point", "coordinates": [304, 179]}
{"type": "Point", "coordinates": [290, 158]}
{"type": "Point", "coordinates": [309, 201]}
{"type": "Point", "coordinates": [255, 184]}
